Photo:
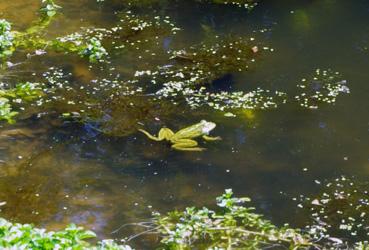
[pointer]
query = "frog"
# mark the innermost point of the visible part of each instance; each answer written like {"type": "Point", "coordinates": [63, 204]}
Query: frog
{"type": "Point", "coordinates": [183, 140]}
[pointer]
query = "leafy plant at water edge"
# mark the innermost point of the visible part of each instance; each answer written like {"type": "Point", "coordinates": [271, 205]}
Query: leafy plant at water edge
{"type": "Point", "coordinates": [234, 226]}
{"type": "Point", "coordinates": [18, 236]}
{"type": "Point", "coordinates": [10, 40]}
{"type": "Point", "coordinates": [25, 91]}
{"type": "Point", "coordinates": [6, 39]}
{"type": "Point", "coordinates": [22, 92]}
{"type": "Point", "coordinates": [47, 11]}
{"type": "Point", "coordinates": [6, 112]}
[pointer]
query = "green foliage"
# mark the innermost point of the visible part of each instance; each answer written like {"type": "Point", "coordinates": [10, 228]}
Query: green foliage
{"type": "Point", "coordinates": [94, 50]}
{"type": "Point", "coordinates": [22, 92]}
{"type": "Point", "coordinates": [26, 91]}
{"type": "Point", "coordinates": [6, 112]}
{"type": "Point", "coordinates": [233, 226]}
{"type": "Point", "coordinates": [49, 8]}
{"type": "Point", "coordinates": [6, 39]}
{"type": "Point", "coordinates": [18, 236]}
{"type": "Point", "coordinates": [11, 40]}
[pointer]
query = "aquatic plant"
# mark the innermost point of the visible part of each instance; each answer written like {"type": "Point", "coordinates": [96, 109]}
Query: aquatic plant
{"type": "Point", "coordinates": [203, 63]}
{"type": "Point", "coordinates": [248, 4]}
{"type": "Point", "coordinates": [27, 91]}
{"type": "Point", "coordinates": [231, 101]}
{"type": "Point", "coordinates": [209, 61]}
{"type": "Point", "coordinates": [341, 208]}
{"type": "Point", "coordinates": [6, 112]}
{"type": "Point", "coordinates": [6, 39]}
{"type": "Point", "coordinates": [195, 69]}
{"type": "Point", "coordinates": [11, 40]}
{"type": "Point", "coordinates": [25, 236]}
{"type": "Point", "coordinates": [49, 7]}
{"type": "Point", "coordinates": [23, 92]}
{"type": "Point", "coordinates": [232, 226]}
{"type": "Point", "coordinates": [94, 50]}
{"type": "Point", "coordinates": [323, 87]}
{"type": "Point", "coordinates": [131, 32]}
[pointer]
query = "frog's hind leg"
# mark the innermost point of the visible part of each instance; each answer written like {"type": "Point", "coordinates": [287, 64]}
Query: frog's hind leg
{"type": "Point", "coordinates": [149, 135]}
{"type": "Point", "coordinates": [165, 133]}
{"type": "Point", "coordinates": [210, 138]}
{"type": "Point", "coordinates": [187, 145]}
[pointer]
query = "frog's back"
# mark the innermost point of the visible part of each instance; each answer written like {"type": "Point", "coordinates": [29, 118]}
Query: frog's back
{"type": "Point", "coordinates": [196, 130]}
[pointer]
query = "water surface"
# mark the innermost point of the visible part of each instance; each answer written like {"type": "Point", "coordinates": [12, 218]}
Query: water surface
{"type": "Point", "coordinates": [63, 172]}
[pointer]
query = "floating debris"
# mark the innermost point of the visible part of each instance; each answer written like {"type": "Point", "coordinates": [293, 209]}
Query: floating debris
{"type": "Point", "coordinates": [193, 71]}
{"type": "Point", "coordinates": [323, 87]}
{"type": "Point", "coordinates": [341, 209]}
{"type": "Point", "coordinates": [248, 4]}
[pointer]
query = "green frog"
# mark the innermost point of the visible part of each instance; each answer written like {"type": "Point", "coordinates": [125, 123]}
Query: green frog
{"type": "Point", "coordinates": [183, 139]}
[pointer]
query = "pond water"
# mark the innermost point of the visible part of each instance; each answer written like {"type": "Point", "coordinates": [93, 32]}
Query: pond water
{"type": "Point", "coordinates": [54, 171]}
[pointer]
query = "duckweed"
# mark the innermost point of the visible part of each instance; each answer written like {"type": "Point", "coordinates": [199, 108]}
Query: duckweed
{"type": "Point", "coordinates": [323, 87]}
{"type": "Point", "coordinates": [340, 209]}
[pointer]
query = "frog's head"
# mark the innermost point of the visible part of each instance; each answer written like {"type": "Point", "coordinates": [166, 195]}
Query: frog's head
{"type": "Point", "coordinates": [207, 126]}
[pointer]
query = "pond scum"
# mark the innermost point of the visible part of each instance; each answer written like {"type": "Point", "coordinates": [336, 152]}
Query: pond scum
{"type": "Point", "coordinates": [188, 76]}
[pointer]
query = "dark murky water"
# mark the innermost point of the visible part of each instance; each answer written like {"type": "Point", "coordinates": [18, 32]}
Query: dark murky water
{"type": "Point", "coordinates": [59, 173]}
